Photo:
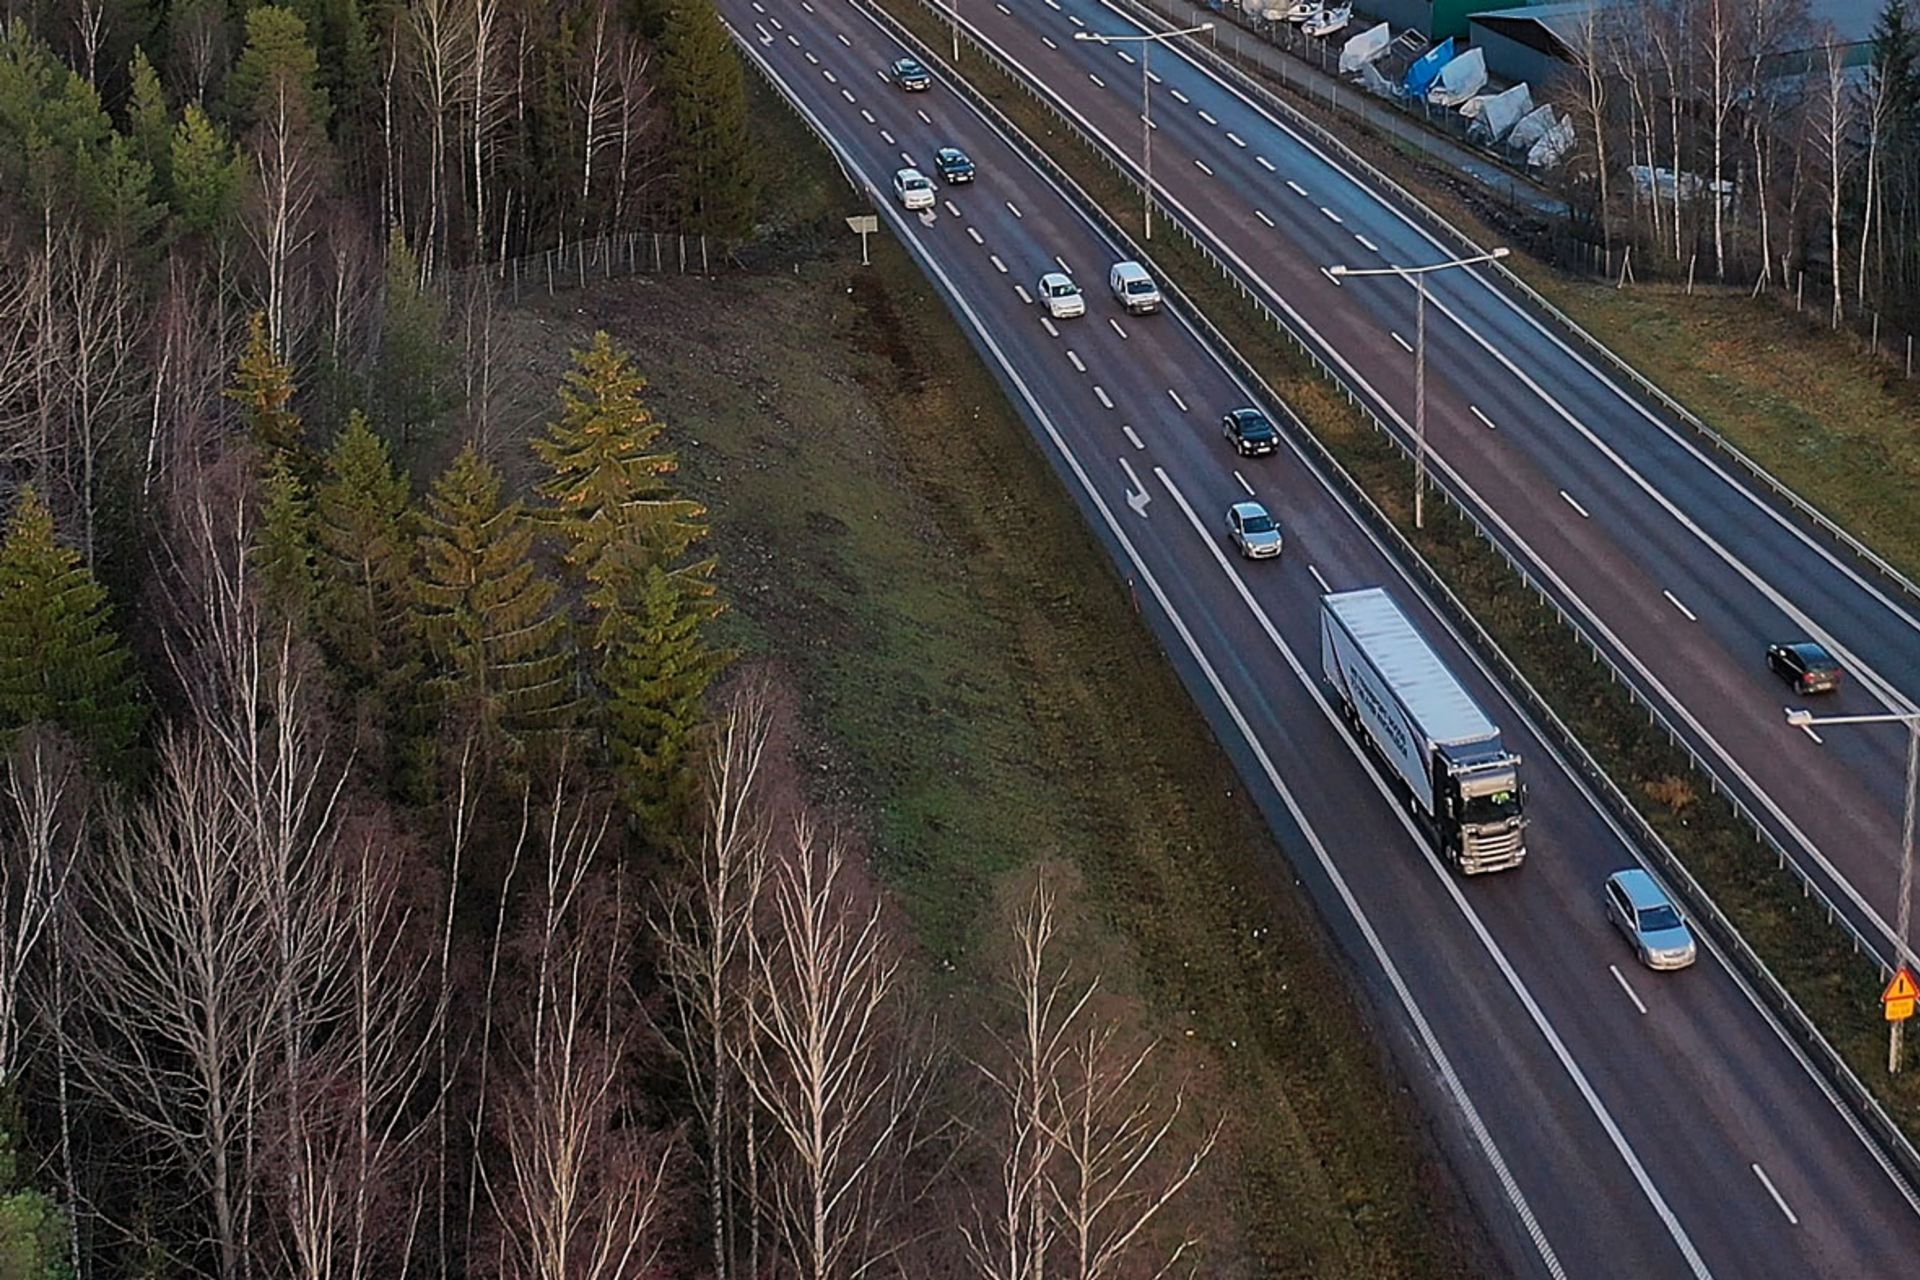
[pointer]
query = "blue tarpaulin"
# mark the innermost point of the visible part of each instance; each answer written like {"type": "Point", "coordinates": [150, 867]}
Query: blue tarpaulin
{"type": "Point", "coordinates": [1426, 68]}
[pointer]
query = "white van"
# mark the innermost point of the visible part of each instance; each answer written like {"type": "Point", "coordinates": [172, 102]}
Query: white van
{"type": "Point", "coordinates": [1133, 288]}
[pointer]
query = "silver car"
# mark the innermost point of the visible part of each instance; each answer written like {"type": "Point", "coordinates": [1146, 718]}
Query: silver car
{"type": "Point", "coordinates": [1251, 529]}
{"type": "Point", "coordinates": [1641, 910]}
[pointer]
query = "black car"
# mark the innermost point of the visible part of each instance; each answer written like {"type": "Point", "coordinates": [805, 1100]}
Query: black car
{"type": "Point", "coordinates": [1250, 432]}
{"type": "Point", "coordinates": [953, 164]}
{"type": "Point", "coordinates": [1807, 666]}
{"type": "Point", "coordinates": [910, 75]}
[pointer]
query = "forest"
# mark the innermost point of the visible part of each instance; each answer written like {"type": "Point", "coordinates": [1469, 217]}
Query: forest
{"type": "Point", "coordinates": [397, 877]}
{"type": "Point", "coordinates": [1781, 151]}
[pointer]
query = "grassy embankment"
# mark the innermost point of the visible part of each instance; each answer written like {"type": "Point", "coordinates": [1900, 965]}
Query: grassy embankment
{"type": "Point", "coordinates": [988, 702]}
{"type": "Point", "coordinates": [1837, 988]}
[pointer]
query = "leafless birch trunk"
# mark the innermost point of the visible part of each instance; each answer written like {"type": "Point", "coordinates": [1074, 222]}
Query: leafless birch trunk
{"type": "Point", "coordinates": [44, 822]}
{"type": "Point", "coordinates": [1834, 107]}
{"type": "Point", "coordinates": [286, 187]}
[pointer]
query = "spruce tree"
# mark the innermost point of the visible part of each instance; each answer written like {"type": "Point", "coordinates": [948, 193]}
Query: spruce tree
{"type": "Point", "coordinates": [60, 661]}
{"type": "Point", "coordinates": [205, 176]}
{"type": "Point", "coordinates": [712, 152]}
{"type": "Point", "coordinates": [263, 388]}
{"type": "Point", "coordinates": [656, 666]}
{"type": "Point", "coordinates": [609, 490]}
{"type": "Point", "coordinates": [366, 559]}
{"type": "Point", "coordinates": [487, 614]}
{"type": "Point", "coordinates": [283, 552]}
{"type": "Point", "coordinates": [413, 381]}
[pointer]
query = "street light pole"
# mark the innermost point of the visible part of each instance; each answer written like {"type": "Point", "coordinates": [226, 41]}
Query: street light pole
{"type": "Point", "coordinates": [1419, 276]}
{"type": "Point", "coordinates": [1903, 909]}
{"type": "Point", "coordinates": [1146, 43]}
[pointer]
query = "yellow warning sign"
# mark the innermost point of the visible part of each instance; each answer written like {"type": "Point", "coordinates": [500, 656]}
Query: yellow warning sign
{"type": "Point", "coordinates": [1900, 996]}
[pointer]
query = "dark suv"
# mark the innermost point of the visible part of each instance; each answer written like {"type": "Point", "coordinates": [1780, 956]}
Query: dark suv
{"type": "Point", "coordinates": [1807, 666]}
{"type": "Point", "coordinates": [1250, 432]}
{"type": "Point", "coordinates": [953, 164]}
{"type": "Point", "coordinates": [910, 75]}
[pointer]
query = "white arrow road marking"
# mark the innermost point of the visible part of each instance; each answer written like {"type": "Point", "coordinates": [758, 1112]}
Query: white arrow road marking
{"type": "Point", "coordinates": [1137, 496]}
{"type": "Point", "coordinates": [927, 218]}
{"type": "Point", "coordinates": [1621, 979]}
{"type": "Point", "coordinates": [1767, 1182]}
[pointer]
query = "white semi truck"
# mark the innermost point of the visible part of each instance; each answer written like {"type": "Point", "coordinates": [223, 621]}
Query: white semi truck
{"type": "Point", "coordinates": [1395, 690]}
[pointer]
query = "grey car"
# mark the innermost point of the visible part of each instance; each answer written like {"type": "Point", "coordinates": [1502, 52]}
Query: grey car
{"type": "Point", "coordinates": [1251, 529]}
{"type": "Point", "coordinates": [1641, 910]}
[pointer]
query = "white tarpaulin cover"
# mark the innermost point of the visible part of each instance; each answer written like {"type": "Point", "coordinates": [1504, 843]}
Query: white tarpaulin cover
{"type": "Point", "coordinates": [1460, 79]}
{"type": "Point", "coordinates": [1328, 21]}
{"type": "Point", "coordinates": [1532, 127]}
{"type": "Point", "coordinates": [1501, 112]}
{"type": "Point", "coordinates": [1554, 144]}
{"type": "Point", "coordinates": [1364, 48]}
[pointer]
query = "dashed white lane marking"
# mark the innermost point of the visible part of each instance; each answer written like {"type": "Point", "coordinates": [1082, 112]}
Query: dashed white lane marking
{"type": "Point", "coordinates": [806, 6]}
{"type": "Point", "coordinates": [1243, 483]}
{"type": "Point", "coordinates": [1054, 5]}
{"type": "Point", "coordinates": [1324, 588]}
{"type": "Point", "coordinates": [1050, 44]}
{"type": "Point", "coordinates": [1063, 264]}
{"type": "Point", "coordinates": [1153, 77]}
{"type": "Point", "coordinates": [998, 265]}
{"type": "Point", "coordinates": [1235, 139]}
{"type": "Point", "coordinates": [1002, 8]}
{"type": "Point", "coordinates": [1767, 1182]}
{"type": "Point", "coordinates": [842, 39]}
{"type": "Point", "coordinates": [1263, 217]}
{"type": "Point", "coordinates": [1366, 244]}
{"type": "Point", "coordinates": [866, 115]}
{"type": "Point", "coordinates": [1330, 213]}
{"type": "Point", "coordinates": [831, 78]}
{"type": "Point", "coordinates": [1024, 295]}
{"type": "Point", "coordinates": [924, 117]}
{"type": "Point", "coordinates": [1150, 124]}
{"type": "Point", "coordinates": [1183, 99]}
{"type": "Point", "coordinates": [776, 23]}
{"type": "Point", "coordinates": [1329, 275]}
{"type": "Point", "coordinates": [1047, 324]}
{"type": "Point", "coordinates": [1177, 400]}
{"type": "Point", "coordinates": [1675, 602]}
{"type": "Point", "coordinates": [953, 208]}
{"type": "Point", "coordinates": [794, 40]}
{"type": "Point", "coordinates": [847, 94]}
{"type": "Point", "coordinates": [1203, 167]}
{"type": "Point", "coordinates": [1404, 344]}
{"type": "Point", "coordinates": [757, 8]}
{"type": "Point", "coordinates": [891, 141]}
{"type": "Point", "coordinates": [1116, 327]}
{"type": "Point", "coordinates": [1297, 188]}
{"type": "Point", "coordinates": [1075, 20]}
{"type": "Point", "coordinates": [1073, 358]}
{"type": "Point", "coordinates": [1621, 979]}
{"type": "Point", "coordinates": [1096, 79]}
{"type": "Point", "coordinates": [909, 159]}
{"type": "Point", "coordinates": [1209, 119]}
{"type": "Point", "coordinates": [1125, 56]}
{"type": "Point", "coordinates": [975, 235]}
{"type": "Point", "coordinates": [1106, 401]}
{"type": "Point", "coordinates": [810, 58]}
{"type": "Point", "coordinates": [883, 77]}
{"type": "Point", "coordinates": [1137, 443]}
{"type": "Point", "coordinates": [1016, 209]}
{"type": "Point", "coordinates": [1575, 505]}
{"type": "Point", "coordinates": [1474, 409]}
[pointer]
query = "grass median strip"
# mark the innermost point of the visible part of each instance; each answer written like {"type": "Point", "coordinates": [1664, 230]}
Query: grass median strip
{"type": "Point", "coordinates": [1838, 989]}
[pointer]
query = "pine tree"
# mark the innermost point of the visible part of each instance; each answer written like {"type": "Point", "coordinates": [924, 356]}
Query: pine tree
{"type": "Point", "coordinates": [610, 494]}
{"type": "Point", "coordinates": [366, 560]}
{"type": "Point", "coordinates": [487, 614]}
{"type": "Point", "coordinates": [117, 191]}
{"type": "Point", "coordinates": [284, 553]}
{"type": "Point", "coordinates": [149, 124]}
{"type": "Point", "coordinates": [205, 176]}
{"type": "Point", "coordinates": [263, 388]}
{"type": "Point", "coordinates": [60, 661]}
{"type": "Point", "coordinates": [656, 667]}
{"type": "Point", "coordinates": [413, 382]}
{"type": "Point", "coordinates": [278, 53]}
{"type": "Point", "coordinates": [712, 159]}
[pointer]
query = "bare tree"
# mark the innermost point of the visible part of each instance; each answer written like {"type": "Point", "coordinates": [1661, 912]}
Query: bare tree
{"type": "Point", "coordinates": [44, 825]}
{"type": "Point", "coordinates": [444, 38]}
{"type": "Point", "coordinates": [596, 95]}
{"type": "Point", "coordinates": [1833, 128]}
{"type": "Point", "coordinates": [703, 936]}
{"type": "Point", "coordinates": [484, 96]}
{"type": "Point", "coordinates": [1588, 99]}
{"type": "Point", "coordinates": [96, 344]}
{"type": "Point", "coordinates": [1720, 37]}
{"type": "Point", "coordinates": [286, 185]}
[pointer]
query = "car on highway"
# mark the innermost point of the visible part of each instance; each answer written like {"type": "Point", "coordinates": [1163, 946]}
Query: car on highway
{"type": "Point", "coordinates": [1251, 433]}
{"type": "Point", "coordinates": [913, 189]}
{"type": "Point", "coordinates": [1641, 910]}
{"type": "Point", "coordinates": [1253, 531]}
{"type": "Point", "coordinates": [1133, 288]}
{"type": "Point", "coordinates": [953, 165]}
{"type": "Point", "coordinates": [1805, 665]}
{"type": "Point", "coordinates": [1061, 297]}
{"type": "Point", "coordinates": [910, 75]}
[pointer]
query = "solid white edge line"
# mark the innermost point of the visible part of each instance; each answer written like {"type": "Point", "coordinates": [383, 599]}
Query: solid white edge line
{"type": "Point", "coordinates": [1774, 1191]}
{"type": "Point", "coordinates": [1622, 980]}
{"type": "Point", "coordinates": [1675, 602]}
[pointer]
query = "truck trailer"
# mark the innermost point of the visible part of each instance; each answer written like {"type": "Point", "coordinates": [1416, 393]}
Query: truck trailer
{"type": "Point", "coordinates": [1395, 691]}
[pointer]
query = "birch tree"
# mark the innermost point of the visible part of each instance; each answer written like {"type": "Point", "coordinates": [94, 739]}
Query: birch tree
{"type": "Point", "coordinates": [1834, 119]}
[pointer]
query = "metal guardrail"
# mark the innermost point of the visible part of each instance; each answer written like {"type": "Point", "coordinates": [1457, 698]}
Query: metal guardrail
{"type": "Point", "coordinates": [1795, 1022]}
{"type": "Point", "coordinates": [1151, 17]}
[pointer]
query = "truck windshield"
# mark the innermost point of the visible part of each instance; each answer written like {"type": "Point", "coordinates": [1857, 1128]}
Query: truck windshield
{"type": "Point", "coordinates": [1495, 806]}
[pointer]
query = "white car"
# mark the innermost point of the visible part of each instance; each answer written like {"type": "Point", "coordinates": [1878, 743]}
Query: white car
{"type": "Point", "coordinates": [913, 189]}
{"type": "Point", "coordinates": [1061, 297]}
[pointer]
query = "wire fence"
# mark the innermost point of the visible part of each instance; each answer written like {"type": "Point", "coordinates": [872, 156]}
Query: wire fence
{"type": "Point", "coordinates": [1783, 1007]}
{"type": "Point", "coordinates": [603, 257]}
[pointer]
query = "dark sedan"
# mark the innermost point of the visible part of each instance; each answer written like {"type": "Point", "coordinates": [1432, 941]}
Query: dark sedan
{"type": "Point", "coordinates": [910, 75]}
{"type": "Point", "coordinates": [1250, 432]}
{"type": "Point", "coordinates": [953, 165]}
{"type": "Point", "coordinates": [1805, 665]}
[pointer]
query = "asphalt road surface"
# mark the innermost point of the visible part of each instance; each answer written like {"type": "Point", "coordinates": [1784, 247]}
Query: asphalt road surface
{"type": "Point", "coordinates": [1677, 564]}
{"type": "Point", "coordinates": [1606, 1121]}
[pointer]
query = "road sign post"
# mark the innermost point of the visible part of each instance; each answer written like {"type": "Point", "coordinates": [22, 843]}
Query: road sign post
{"type": "Point", "coordinates": [1898, 1000]}
{"type": "Point", "coordinates": [866, 224]}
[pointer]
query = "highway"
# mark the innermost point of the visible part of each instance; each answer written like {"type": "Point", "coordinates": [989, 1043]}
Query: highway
{"type": "Point", "coordinates": [1675, 563]}
{"type": "Point", "coordinates": [1605, 1121]}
